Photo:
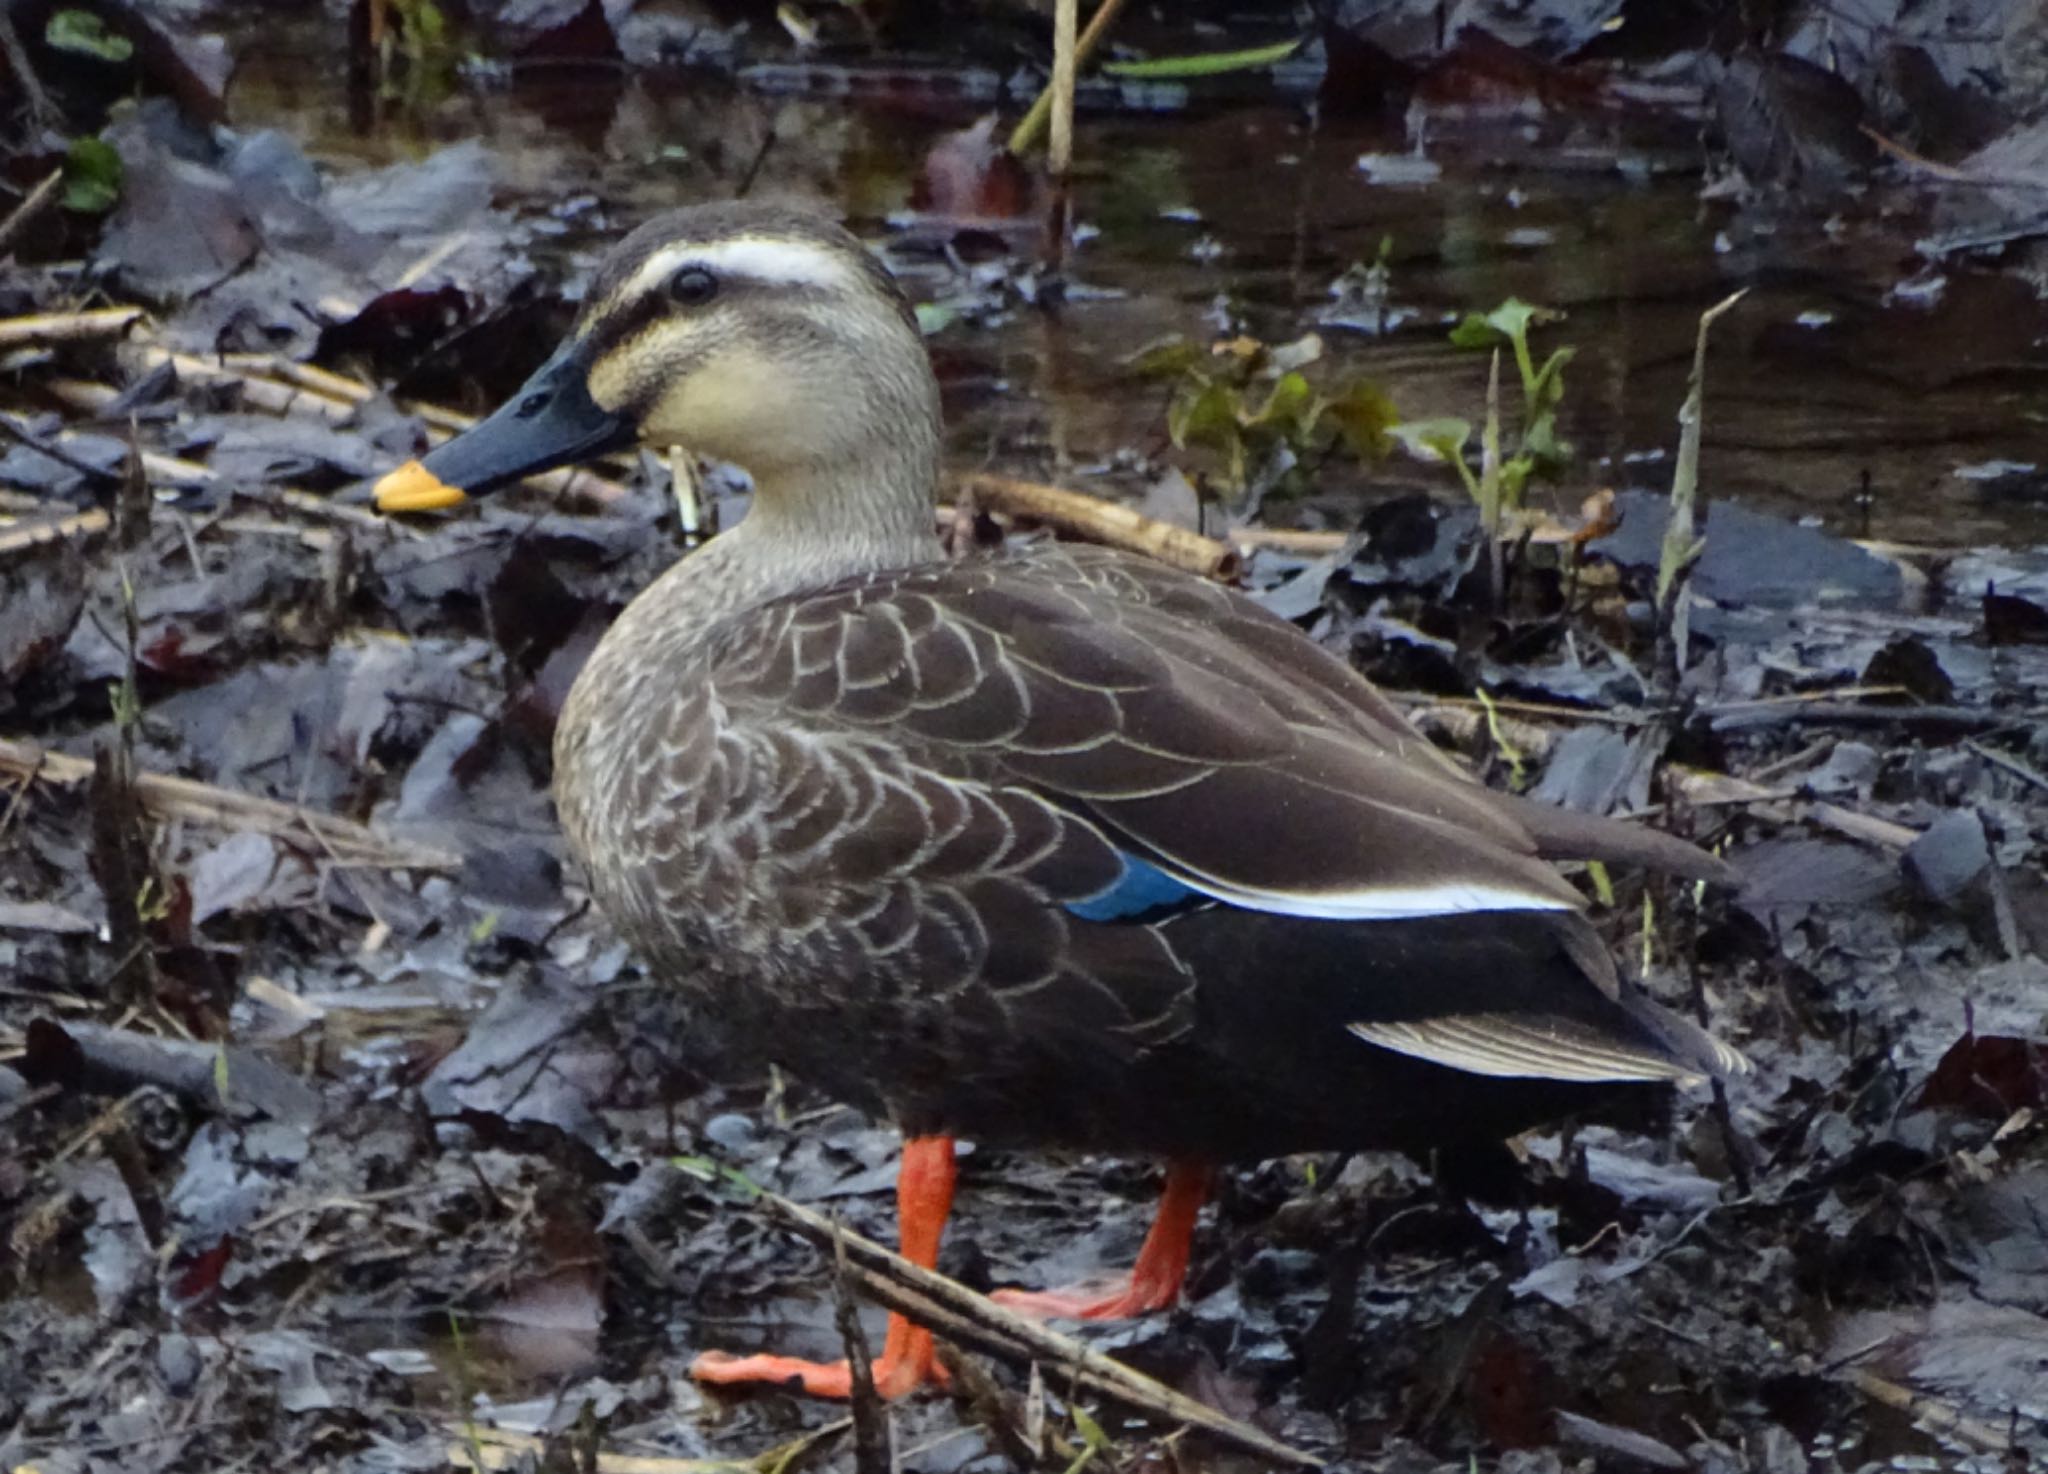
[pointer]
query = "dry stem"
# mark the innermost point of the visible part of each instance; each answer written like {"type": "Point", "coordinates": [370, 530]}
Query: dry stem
{"type": "Point", "coordinates": [46, 328]}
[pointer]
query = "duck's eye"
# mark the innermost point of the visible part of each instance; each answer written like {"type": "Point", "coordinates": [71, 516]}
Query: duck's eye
{"type": "Point", "coordinates": [693, 286]}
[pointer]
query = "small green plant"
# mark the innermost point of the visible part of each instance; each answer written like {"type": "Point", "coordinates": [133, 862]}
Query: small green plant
{"type": "Point", "coordinates": [422, 41]}
{"type": "Point", "coordinates": [423, 30]}
{"type": "Point", "coordinates": [1538, 449]}
{"type": "Point", "coordinates": [92, 176]}
{"type": "Point", "coordinates": [1249, 402]}
{"type": "Point", "coordinates": [1499, 483]}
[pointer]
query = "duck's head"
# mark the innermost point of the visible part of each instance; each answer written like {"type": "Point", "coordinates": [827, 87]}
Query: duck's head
{"type": "Point", "coordinates": [752, 333]}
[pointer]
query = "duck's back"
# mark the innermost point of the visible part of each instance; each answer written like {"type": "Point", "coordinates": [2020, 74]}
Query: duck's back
{"type": "Point", "coordinates": [1020, 847]}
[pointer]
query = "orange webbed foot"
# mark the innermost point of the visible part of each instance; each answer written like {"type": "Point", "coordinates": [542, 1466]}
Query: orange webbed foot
{"type": "Point", "coordinates": [1155, 1280]}
{"type": "Point", "coordinates": [895, 1376]}
{"type": "Point", "coordinates": [1086, 1302]}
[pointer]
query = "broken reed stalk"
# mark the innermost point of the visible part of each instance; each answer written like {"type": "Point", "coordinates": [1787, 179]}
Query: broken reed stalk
{"type": "Point", "coordinates": [46, 329]}
{"type": "Point", "coordinates": [1682, 546]}
{"type": "Point", "coordinates": [1025, 134]}
{"type": "Point", "coordinates": [1059, 148]}
{"type": "Point", "coordinates": [1059, 153]}
{"type": "Point", "coordinates": [952, 1311]}
{"type": "Point", "coordinates": [167, 797]}
{"type": "Point", "coordinates": [1102, 521]}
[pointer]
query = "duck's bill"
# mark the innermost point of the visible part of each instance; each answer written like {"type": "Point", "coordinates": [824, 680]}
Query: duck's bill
{"type": "Point", "coordinates": [552, 421]}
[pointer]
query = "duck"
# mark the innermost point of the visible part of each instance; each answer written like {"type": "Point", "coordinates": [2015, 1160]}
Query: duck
{"type": "Point", "coordinates": [1049, 847]}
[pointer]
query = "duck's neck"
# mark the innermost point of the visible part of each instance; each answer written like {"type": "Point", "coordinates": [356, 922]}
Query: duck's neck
{"type": "Point", "coordinates": [809, 527]}
{"type": "Point", "coordinates": [812, 525]}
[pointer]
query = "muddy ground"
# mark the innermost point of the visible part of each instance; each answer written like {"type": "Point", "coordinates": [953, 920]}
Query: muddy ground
{"type": "Point", "coordinates": [340, 1134]}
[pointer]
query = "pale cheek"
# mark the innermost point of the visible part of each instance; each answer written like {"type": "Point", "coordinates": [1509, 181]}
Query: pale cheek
{"type": "Point", "coordinates": [745, 408]}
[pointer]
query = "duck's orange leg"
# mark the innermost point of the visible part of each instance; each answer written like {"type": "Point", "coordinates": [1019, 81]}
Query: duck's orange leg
{"type": "Point", "coordinates": [1155, 1279]}
{"type": "Point", "coordinates": [924, 1196]}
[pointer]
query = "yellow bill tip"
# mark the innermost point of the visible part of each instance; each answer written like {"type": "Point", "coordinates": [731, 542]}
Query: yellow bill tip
{"type": "Point", "coordinates": [413, 488]}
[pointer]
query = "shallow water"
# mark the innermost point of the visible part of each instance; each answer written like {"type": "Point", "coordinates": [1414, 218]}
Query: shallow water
{"type": "Point", "coordinates": [1855, 385]}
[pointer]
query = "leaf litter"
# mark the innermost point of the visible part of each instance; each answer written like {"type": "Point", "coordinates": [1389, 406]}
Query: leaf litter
{"type": "Point", "coordinates": [379, 1162]}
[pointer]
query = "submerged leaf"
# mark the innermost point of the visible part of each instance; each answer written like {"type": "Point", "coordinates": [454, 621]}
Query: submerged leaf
{"type": "Point", "coordinates": [1207, 64]}
{"type": "Point", "coordinates": [84, 34]}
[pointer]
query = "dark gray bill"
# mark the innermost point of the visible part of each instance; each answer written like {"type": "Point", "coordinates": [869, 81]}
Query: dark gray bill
{"type": "Point", "coordinates": [552, 421]}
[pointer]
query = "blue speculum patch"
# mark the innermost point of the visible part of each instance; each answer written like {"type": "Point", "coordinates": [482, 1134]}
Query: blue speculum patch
{"type": "Point", "coordinates": [1141, 888]}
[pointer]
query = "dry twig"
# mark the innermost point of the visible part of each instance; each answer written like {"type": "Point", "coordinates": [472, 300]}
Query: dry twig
{"type": "Point", "coordinates": [1102, 521]}
{"type": "Point", "coordinates": [37, 201]}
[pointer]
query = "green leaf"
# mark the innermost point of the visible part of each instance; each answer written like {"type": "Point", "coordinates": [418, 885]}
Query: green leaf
{"type": "Point", "coordinates": [84, 34]}
{"type": "Point", "coordinates": [1208, 64]}
{"type": "Point", "coordinates": [1508, 323]}
{"type": "Point", "coordinates": [1475, 332]}
{"type": "Point", "coordinates": [1090, 1430]}
{"type": "Point", "coordinates": [1364, 417]}
{"type": "Point", "coordinates": [1208, 415]}
{"type": "Point", "coordinates": [1514, 317]}
{"type": "Point", "coordinates": [92, 176]}
{"type": "Point", "coordinates": [1289, 409]}
{"type": "Point", "coordinates": [1546, 390]}
{"type": "Point", "coordinates": [1439, 439]}
{"type": "Point", "coordinates": [1542, 445]}
{"type": "Point", "coordinates": [934, 317]}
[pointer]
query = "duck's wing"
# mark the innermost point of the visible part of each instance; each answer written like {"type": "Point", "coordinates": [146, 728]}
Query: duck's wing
{"type": "Point", "coordinates": [1209, 742]}
{"type": "Point", "coordinates": [1254, 645]}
